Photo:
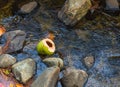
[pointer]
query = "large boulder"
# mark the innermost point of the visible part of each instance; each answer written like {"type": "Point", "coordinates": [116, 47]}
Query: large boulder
{"type": "Point", "coordinates": [74, 78]}
{"type": "Point", "coordinates": [48, 78]}
{"type": "Point", "coordinates": [24, 70]}
{"type": "Point", "coordinates": [73, 11]}
{"type": "Point", "coordinates": [6, 60]}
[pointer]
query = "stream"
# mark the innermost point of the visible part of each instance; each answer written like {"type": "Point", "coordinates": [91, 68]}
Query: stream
{"type": "Point", "coordinates": [72, 45]}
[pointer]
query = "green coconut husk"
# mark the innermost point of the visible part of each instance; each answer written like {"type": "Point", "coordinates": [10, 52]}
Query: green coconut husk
{"type": "Point", "coordinates": [45, 50]}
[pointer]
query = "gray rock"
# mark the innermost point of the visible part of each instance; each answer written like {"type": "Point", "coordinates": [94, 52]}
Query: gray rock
{"type": "Point", "coordinates": [0, 50]}
{"type": "Point", "coordinates": [24, 70]}
{"type": "Point", "coordinates": [29, 7]}
{"type": "Point", "coordinates": [73, 11]}
{"type": "Point", "coordinates": [54, 62]}
{"type": "Point", "coordinates": [74, 78]}
{"type": "Point", "coordinates": [112, 5]}
{"type": "Point", "coordinates": [6, 60]}
{"type": "Point", "coordinates": [17, 39]}
{"type": "Point", "coordinates": [89, 60]}
{"type": "Point", "coordinates": [48, 78]}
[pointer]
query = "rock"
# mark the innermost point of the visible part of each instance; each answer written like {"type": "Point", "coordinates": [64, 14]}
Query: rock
{"type": "Point", "coordinates": [6, 60]}
{"type": "Point", "coordinates": [112, 5]}
{"type": "Point", "coordinates": [48, 78]}
{"type": "Point", "coordinates": [54, 62]}
{"type": "Point", "coordinates": [17, 39]}
{"type": "Point", "coordinates": [74, 78]}
{"type": "Point", "coordinates": [73, 11]}
{"type": "Point", "coordinates": [0, 50]}
{"type": "Point", "coordinates": [24, 70]}
{"type": "Point", "coordinates": [29, 7]}
{"type": "Point", "coordinates": [89, 60]}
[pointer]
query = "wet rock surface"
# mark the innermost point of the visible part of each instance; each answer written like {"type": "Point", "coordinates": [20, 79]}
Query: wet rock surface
{"type": "Point", "coordinates": [48, 78]}
{"type": "Point", "coordinates": [89, 61]}
{"type": "Point", "coordinates": [112, 5]}
{"type": "Point", "coordinates": [54, 62]}
{"type": "Point", "coordinates": [6, 60]}
{"type": "Point", "coordinates": [24, 70]}
{"type": "Point", "coordinates": [29, 7]}
{"type": "Point", "coordinates": [74, 78]}
{"type": "Point", "coordinates": [16, 38]}
{"type": "Point", "coordinates": [73, 11]}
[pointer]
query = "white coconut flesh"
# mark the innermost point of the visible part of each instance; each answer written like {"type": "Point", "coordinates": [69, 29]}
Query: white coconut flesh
{"type": "Point", "coordinates": [49, 44]}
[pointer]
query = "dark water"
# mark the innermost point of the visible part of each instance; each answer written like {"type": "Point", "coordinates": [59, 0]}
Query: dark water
{"type": "Point", "coordinates": [72, 46]}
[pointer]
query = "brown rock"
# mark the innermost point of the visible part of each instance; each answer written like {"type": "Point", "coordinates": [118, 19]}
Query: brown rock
{"type": "Point", "coordinates": [89, 60]}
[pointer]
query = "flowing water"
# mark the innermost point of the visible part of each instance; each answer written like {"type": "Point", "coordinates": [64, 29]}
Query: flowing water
{"type": "Point", "coordinates": [72, 45]}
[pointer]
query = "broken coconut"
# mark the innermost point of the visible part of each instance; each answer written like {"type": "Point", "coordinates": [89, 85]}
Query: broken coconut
{"type": "Point", "coordinates": [46, 47]}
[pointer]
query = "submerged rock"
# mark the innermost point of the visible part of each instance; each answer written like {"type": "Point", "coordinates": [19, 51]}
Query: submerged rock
{"type": "Point", "coordinates": [74, 78]}
{"type": "Point", "coordinates": [6, 60]}
{"type": "Point", "coordinates": [29, 7]}
{"type": "Point", "coordinates": [16, 38]}
{"type": "Point", "coordinates": [73, 11]}
{"type": "Point", "coordinates": [24, 70]}
{"type": "Point", "coordinates": [54, 62]}
{"type": "Point", "coordinates": [112, 5]}
{"type": "Point", "coordinates": [48, 78]}
{"type": "Point", "coordinates": [89, 60]}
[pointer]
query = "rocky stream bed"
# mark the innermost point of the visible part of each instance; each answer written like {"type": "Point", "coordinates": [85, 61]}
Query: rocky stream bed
{"type": "Point", "coordinates": [90, 50]}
